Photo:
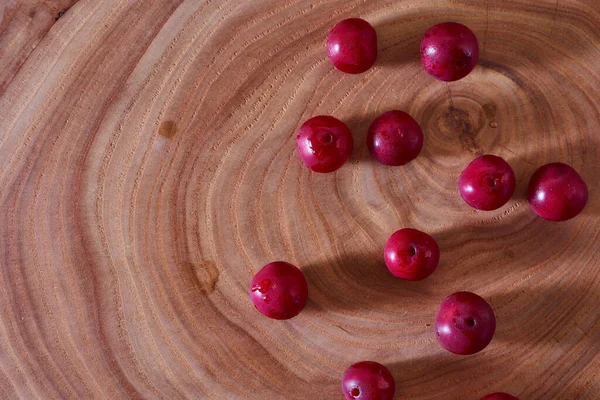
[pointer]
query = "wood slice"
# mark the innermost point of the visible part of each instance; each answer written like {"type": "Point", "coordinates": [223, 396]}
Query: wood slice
{"type": "Point", "coordinates": [149, 169]}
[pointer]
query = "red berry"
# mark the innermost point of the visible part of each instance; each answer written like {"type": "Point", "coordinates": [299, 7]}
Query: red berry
{"type": "Point", "coordinates": [487, 183]}
{"type": "Point", "coordinates": [395, 138]}
{"type": "Point", "coordinates": [449, 51]}
{"type": "Point", "coordinates": [499, 396]}
{"type": "Point", "coordinates": [465, 323]}
{"type": "Point", "coordinates": [352, 46]}
{"type": "Point", "coordinates": [411, 254]}
{"type": "Point", "coordinates": [279, 290]}
{"type": "Point", "coordinates": [368, 380]}
{"type": "Point", "coordinates": [325, 143]}
{"type": "Point", "coordinates": [556, 192]}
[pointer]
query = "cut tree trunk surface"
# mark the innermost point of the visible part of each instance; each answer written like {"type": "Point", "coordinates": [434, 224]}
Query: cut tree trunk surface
{"type": "Point", "coordinates": [149, 169]}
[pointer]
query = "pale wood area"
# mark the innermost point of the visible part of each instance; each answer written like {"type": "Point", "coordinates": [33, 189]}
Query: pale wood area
{"type": "Point", "coordinates": [149, 168]}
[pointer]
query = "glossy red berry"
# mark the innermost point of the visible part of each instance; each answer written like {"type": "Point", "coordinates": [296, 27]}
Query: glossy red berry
{"type": "Point", "coordinates": [556, 192]}
{"type": "Point", "coordinates": [449, 51]}
{"type": "Point", "coordinates": [368, 380]}
{"type": "Point", "coordinates": [395, 138]}
{"type": "Point", "coordinates": [279, 290]}
{"type": "Point", "coordinates": [465, 323]}
{"type": "Point", "coordinates": [411, 254]}
{"type": "Point", "coordinates": [352, 46]}
{"type": "Point", "coordinates": [487, 183]}
{"type": "Point", "coordinates": [324, 143]}
{"type": "Point", "coordinates": [499, 396]}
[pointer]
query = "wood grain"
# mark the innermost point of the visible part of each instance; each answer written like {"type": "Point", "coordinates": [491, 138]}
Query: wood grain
{"type": "Point", "coordinates": [149, 169]}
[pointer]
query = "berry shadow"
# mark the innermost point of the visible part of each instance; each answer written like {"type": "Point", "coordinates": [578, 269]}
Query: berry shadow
{"type": "Point", "coordinates": [468, 252]}
{"type": "Point", "coordinates": [523, 170]}
{"type": "Point", "coordinates": [399, 41]}
{"type": "Point", "coordinates": [524, 165]}
{"type": "Point", "coordinates": [421, 377]}
{"type": "Point", "coordinates": [358, 281]}
{"type": "Point", "coordinates": [359, 126]}
{"type": "Point", "coordinates": [537, 316]}
{"type": "Point", "coordinates": [591, 175]}
{"type": "Point", "coordinates": [531, 249]}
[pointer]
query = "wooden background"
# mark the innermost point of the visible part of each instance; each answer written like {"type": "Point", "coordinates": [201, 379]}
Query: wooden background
{"type": "Point", "coordinates": [149, 169]}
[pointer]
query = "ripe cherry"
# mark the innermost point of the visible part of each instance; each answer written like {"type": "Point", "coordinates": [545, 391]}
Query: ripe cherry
{"type": "Point", "coordinates": [465, 323]}
{"type": "Point", "coordinates": [279, 290]}
{"type": "Point", "coordinates": [395, 138]}
{"type": "Point", "coordinates": [368, 380]}
{"type": "Point", "coordinates": [352, 46]}
{"type": "Point", "coordinates": [411, 254]}
{"type": "Point", "coordinates": [449, 51]}
{"type": "Point", "coordinates": [556, 192]}
{"type": "Point", "coordinates": [487, 183]}
{"type": "Point", "coordinates": [324, 143]}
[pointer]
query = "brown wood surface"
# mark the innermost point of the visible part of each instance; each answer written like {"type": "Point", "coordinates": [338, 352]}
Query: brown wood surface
{"type": "Point", "coordinates": [149, 168]}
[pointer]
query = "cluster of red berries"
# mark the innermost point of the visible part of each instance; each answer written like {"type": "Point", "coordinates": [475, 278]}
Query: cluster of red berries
{"type": "Point", "coordinates": [465, 323]}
